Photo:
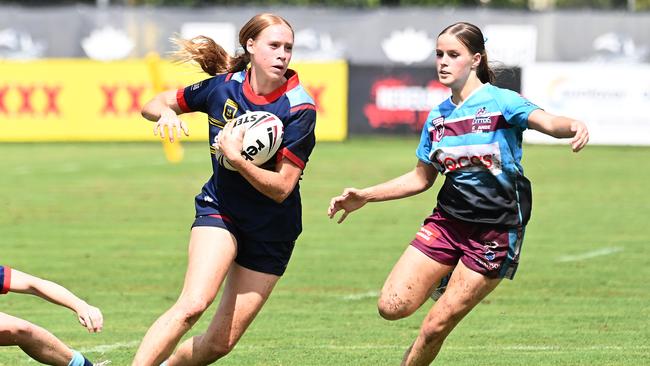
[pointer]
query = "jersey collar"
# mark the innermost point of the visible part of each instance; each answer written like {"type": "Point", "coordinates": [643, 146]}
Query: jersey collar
{"type": "Point", "coordinates": [292, 82]}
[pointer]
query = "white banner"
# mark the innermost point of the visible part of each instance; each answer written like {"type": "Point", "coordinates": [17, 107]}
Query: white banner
{"type": "Point", "coordinates": [613, 99]}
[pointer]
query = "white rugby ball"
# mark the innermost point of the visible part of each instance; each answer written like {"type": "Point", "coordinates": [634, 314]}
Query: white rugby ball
{"type": "Point", "coordinates": [262, 137]}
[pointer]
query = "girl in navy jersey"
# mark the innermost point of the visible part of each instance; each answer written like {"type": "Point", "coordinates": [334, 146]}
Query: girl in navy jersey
{"type": "Point", "coordinates": [246, 220]}
{"type": "Point", "coordinates": [477, 227]}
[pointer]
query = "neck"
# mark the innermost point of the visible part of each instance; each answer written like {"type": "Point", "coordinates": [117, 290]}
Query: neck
{"type": "Point", "coordinates": [262, 85]}
{"type": "Point", "coordinates": [458, 95]}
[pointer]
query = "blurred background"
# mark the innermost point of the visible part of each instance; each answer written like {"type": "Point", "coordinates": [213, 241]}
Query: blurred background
{"type": "Point", "coordinates": [587, 59]}
{"type": "Point", "coordinates": [88, 197]}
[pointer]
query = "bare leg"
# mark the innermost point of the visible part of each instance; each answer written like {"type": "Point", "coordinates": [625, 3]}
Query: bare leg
{"type": "Point", "coordinates": [410, 284]}
{"type": "Point", "coordinates": [245, 293]}
{"type": "Point", "coordinates": [37, 342]}
{"type": "Point", "coordinates": [465, 290]}
{"type": "Point", "coordinates": [211, 252]}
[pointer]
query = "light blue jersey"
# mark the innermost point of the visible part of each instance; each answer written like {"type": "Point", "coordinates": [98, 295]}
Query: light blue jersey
{"type": "Point", "coordinates": [477, 146]}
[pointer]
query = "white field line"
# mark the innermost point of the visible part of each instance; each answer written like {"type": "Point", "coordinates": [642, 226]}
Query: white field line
{"type": "Point", "coordinates": [516, 347]}
{"type": "Point", "coordinates": [103, 348]}
{"type": "Point", "coordinates": [360, 296]}
{"type": "Point", "coordinates": [588, 255]}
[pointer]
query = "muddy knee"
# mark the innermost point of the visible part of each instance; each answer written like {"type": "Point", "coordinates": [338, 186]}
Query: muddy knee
{"type": "Point", "coordinates": [391, 307]}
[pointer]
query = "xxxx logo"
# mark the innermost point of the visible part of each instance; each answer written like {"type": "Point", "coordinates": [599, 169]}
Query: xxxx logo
{"type": "Point", "coordinates": [30, 99]}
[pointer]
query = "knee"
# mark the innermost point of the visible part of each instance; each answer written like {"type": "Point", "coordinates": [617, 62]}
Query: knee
{"type": "Point", "coordinates": [190, 310]}
{"type": "Point", "coordinates": [393, 308]}
{"type": "Point", "coordinates": [216, 350]}
{"type": "Point", "coordinates": [437, 327]}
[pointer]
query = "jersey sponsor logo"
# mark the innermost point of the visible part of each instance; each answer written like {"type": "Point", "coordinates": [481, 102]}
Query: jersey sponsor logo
{"type": "Point", "coordinates": [230, 109]}
{"type": "Point", "coordinates": [482, 121]}
{"type": "Point", "coordinates": [427, 235]}
{"type": "Point", "coordinates": [196, 85]}
{"type": "Point", "coordinates": [468, 158]}
{"type": "Point", "coordinates": [437, 129]}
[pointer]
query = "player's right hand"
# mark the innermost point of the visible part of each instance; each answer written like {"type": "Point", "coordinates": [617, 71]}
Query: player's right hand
{"type": "Point", "coordinates": [352, 199]}
{"type": "Point", "coordinates": [91, 318]}
{"type": "Point", "coordinates": [169, 120]}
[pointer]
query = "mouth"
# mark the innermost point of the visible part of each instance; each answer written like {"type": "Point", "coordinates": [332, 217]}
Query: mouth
{"type": "Point", "coordinates": [279, 68]}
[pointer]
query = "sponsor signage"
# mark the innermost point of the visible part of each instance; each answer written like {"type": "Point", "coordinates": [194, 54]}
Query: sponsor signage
{"type": "Point", "coordinates": [397, 99]}
{"type": "Point", "coordinates": [612, 104]}
{"type": "Point", "coordinates": [83, 100]}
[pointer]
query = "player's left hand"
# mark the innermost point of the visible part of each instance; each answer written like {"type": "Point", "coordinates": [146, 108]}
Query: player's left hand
{"type": "Point", "coordinates": [91, 318]}
{"type": "Point", "coordinates": [230, 142]}
{"type": "Point", "coordinates": [581, 136]}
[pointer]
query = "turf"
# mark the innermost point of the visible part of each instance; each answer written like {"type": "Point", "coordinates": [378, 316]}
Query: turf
{"type": "Point", "coordinates": [110, 222]}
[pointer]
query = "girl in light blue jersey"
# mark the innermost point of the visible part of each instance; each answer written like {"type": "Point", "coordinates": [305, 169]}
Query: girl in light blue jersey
{"type": "Point", "coordinates": [477, 227]}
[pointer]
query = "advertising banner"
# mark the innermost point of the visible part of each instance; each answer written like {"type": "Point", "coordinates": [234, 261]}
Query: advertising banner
{"type": "Point", "coordinates": [612, 99]}
{"type": "Point", "coordinates": [81, 100]}
{"type": "Point", "coordinates": [397, 99]}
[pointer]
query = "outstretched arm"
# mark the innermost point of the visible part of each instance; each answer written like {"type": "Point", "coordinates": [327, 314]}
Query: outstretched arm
{"type": "Point", "coordinates": [164, 110]}
{"type": "Point", "coordinates": [560, 127]}
{"type": "Point", "coordinates": [416, 181]}
{"type": "Point", "coordinates": [89, 316]}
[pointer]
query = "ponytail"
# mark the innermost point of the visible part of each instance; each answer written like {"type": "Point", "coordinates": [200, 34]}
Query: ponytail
{"type": "Point", "coordinates": [212, 58]}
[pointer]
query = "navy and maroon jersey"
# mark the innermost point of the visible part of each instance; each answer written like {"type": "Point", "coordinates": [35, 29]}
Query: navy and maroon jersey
{"type": "Point", "coordinates": [477, 146]}
{"type": "Point", "coordinates": [5, 279]}
{"type": "Point", "coordinates": [227, 193]}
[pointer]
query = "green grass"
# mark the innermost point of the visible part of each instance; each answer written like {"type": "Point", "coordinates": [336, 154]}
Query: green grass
{"type": "Point", "coordinates": [111, 223]}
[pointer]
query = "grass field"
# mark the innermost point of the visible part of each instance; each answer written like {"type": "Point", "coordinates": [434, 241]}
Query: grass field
{"type": "Point", "coordinates": [110, 222]}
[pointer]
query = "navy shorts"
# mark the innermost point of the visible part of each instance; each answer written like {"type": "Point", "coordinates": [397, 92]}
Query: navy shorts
{"type": "Point", "coordinates": [270, 257]}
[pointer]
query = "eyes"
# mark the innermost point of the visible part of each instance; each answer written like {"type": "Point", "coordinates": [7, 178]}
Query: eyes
{"type": "Point", "coordinates": [451, 54]}
{"type": "Point", "coordinates": [275, 45]}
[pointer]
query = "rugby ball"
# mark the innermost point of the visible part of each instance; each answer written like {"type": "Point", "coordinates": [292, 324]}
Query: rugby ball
{"type": "Point", "coordinates": [262, 137]}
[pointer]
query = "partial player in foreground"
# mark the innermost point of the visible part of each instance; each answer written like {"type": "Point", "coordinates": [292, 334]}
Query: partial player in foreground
{"type": "Point", "coordinates": [473, 138]}
{"type": "Point", "coordinates": [37, 342]}
{"type": "Point", "coordinates": [247, 219]}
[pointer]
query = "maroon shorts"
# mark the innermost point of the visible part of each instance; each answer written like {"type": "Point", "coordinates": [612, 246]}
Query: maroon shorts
{"type": "Point", "coordinates": [491, 250]}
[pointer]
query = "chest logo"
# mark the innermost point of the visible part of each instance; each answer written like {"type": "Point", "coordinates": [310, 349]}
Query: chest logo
{"type": "Point", "coordinates": [229, 110]}
{"type": "Point", "coordinates": [482, 121]}
{"type": "Point", "coordinates": [437, 129]}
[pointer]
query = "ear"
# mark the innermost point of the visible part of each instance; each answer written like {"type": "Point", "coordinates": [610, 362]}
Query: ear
{"type": "Point", "coordinates": [249, 46]}
{"type": "Point", "coordinates": [476, 60]}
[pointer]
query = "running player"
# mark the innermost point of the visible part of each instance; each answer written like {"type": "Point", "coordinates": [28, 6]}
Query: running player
{"type": "Point", "coordinates": [37, 342]}
{"type": "Point", "coordinates": [247, 220]}
{"type": "Point", "coordinates": [474, 139]}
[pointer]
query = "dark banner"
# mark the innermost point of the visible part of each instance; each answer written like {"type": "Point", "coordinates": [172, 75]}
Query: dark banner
{"type": "Point", "coordinates": [397, 99]}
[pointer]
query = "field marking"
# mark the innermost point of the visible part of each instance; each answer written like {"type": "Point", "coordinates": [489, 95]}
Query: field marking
{"type": "Point", "coordinates": [103, 348]}
{"type": "Point", "coordinates": [589, 255]}
{"type": "Point", "coordinates": [360, 296]}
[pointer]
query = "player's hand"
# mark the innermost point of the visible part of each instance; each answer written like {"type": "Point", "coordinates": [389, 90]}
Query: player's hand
{"type": "Point", "coordinates": [169, 120]}
{"type": "Point", "coordinates": [352, 199]}
{"type": "Point", "coordinates": [91, 318]}
{"type": "Point", "coordinates": [581, 136]}
{"type": "Point", "coordinates": [230, 142]}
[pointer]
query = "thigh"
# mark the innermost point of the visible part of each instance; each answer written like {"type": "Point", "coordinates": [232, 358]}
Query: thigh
{"type": "Point", "coordinates": [211, 253]}
{"type": "Point", "coordinates": [244, 294]}
{"type": "Point", "coordinates": [413, 278]}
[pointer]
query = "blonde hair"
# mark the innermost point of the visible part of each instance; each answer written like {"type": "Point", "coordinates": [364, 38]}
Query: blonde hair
{"type": "Point", "coordinates": [212, 58]}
